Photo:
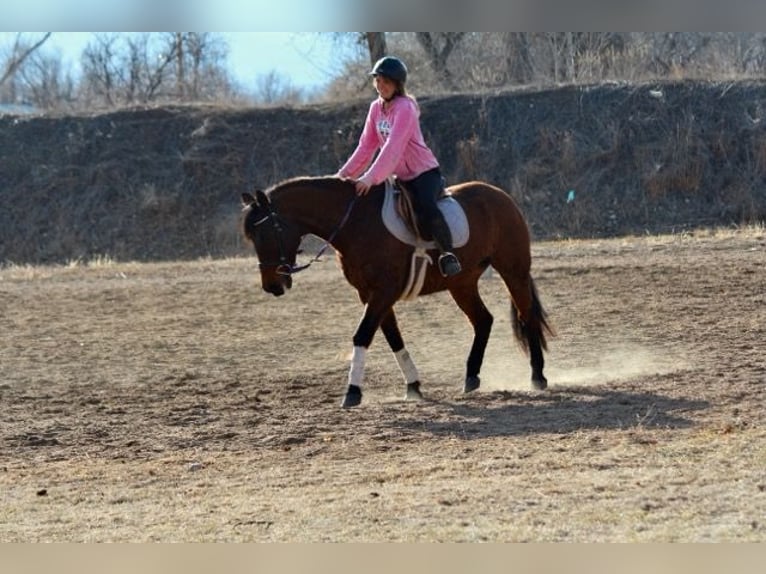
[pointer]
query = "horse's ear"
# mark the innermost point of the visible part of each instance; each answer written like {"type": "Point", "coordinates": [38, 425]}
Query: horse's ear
{"type": "Point", "coordinates": [261, 198]}
{"type": "Point", "coordinates": [247, 199]}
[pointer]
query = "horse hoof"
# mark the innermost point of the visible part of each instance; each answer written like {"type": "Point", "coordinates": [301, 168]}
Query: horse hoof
{"type": "Point", "coordinates": [352, 398]}
{"type": "Point", "coordinates": [471, 384]}
{"type": "Point", "coordinates": [413, 392]}
{"type": "Point", "coordinates": [539, 383]}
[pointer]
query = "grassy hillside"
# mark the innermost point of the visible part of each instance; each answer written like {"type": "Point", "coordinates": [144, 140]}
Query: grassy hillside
{"type": "Point", "coordinates": [164, 183]}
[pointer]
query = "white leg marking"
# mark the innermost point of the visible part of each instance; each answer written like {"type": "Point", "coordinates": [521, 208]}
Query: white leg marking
{"type": "Point", "coordinates": [356, 372]}
{"type": "Point", "coordinates": [408, 368]}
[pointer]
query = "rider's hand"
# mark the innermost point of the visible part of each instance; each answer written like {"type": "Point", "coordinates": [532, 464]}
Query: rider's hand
{"type": "Point", "coordinates": [362, 186]}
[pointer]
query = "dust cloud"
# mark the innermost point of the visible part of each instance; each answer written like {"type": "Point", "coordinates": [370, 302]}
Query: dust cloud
{"type": "Point", "coordinates": [618, 363]}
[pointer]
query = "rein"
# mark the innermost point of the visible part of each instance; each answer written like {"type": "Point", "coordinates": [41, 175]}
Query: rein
{"type": "Point", "coordinates": [284, 267]}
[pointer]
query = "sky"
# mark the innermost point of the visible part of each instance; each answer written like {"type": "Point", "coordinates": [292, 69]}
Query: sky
{"type": "Point", "coordinates": [304, 59]}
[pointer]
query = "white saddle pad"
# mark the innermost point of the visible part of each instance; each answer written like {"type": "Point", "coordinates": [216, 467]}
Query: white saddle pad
{"type": "Point", "coordinates": [450, 208]}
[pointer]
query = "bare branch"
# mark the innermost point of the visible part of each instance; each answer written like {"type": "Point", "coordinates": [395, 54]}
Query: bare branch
{"type": "Point", "coordinates": [17, 60]}
{"type": "Point", "coordinates": [438, 55]}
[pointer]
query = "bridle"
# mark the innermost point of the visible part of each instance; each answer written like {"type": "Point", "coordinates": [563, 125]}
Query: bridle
{"type": "Point", "coordinates": [283, 266]}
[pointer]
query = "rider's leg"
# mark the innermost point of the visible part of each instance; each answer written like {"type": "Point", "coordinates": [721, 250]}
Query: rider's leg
{"type": "Point", "coordinates": [426, 189]}
{"type": "Point", "coordinates": [448, 262]}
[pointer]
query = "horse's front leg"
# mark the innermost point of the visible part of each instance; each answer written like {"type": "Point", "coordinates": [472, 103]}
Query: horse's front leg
{"type": "Point", "coordinates": [374, 311]}
{"type": "Point", "coordinates": [410, 372]}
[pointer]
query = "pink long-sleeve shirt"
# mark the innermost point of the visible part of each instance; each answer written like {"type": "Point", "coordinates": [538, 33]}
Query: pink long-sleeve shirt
{"type": "Point", "coordinates": [396, 133]}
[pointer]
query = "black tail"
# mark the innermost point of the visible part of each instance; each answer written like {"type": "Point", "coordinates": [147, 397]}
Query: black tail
{"type": "Point", "coordinates": [537, 325]}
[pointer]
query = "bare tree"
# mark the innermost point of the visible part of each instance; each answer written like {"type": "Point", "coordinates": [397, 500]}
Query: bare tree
{"type": "Point", "coordinates": [19, 53]}
{"type": "Point", "coordinates": [119, 69]}
{"type": "Point", "coordinates": [376, 44]}
{"type": "Point", "coordinates": [518, 57]}
{"type": "Point", "coordinates": [46, 84]}
{"type": "Point", "coordinates": [179, 53]}
{"type": "Point", "coordinates": [673, 52]}
{"type": "Point", "coordinates": [151, 67]}
{"type": "Point", "coordinates": [477, 60]}
{"type": "Point", "coordinates": [748, 51]}
{"type": "Point", "coordinates": [274, 88]}
{"type": "Point", "coordinates": [206, 76]}
{"type": "Point", "coordinates": [155, 63]}
{"type": "Point", "coordinates": [438, 46]}
{"type": "Point", "coordinates": [102, 69]}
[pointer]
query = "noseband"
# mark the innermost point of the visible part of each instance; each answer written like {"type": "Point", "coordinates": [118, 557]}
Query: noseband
{"type": "Point", "coordinates": [283, 266]}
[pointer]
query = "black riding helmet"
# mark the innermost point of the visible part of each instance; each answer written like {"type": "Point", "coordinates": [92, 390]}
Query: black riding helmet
{"type": "Point", "coordinates": [391, 68]}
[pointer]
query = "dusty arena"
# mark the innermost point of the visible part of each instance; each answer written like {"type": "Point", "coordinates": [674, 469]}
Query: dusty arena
{"type": "Point", "coordinates": [179, 402]}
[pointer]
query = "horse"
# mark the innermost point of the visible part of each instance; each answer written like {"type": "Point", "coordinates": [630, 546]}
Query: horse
{"type": "Point", "coordinates": [377, 265]}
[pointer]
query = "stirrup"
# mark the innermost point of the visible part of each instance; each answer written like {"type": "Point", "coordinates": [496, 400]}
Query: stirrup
{"type": "Point", "coordinates": [448, 264]}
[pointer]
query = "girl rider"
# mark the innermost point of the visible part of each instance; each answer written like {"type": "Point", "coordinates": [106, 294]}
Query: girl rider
{"type": "Point", "coordinates": [392, 127]}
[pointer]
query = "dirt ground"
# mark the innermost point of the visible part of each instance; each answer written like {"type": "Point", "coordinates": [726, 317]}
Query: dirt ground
{"type": "Point", "coordinates": [179, 402]}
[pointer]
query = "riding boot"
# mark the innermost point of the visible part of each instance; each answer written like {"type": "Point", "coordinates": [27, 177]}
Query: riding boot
{"type": "Point", "coordinates": [448, 263]}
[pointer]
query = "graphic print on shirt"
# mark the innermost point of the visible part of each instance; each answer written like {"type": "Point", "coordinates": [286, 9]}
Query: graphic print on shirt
{"type": "Point", "coordinates": [384, 128]}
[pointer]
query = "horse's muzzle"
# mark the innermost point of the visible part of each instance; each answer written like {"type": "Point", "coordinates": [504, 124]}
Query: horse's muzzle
{"type": "Point", "coordinates": [276, 284]}
{"type": "Point", "coordinates": [276, 290]}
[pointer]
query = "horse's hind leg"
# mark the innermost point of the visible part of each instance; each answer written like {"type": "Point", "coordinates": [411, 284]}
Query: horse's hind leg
{"type": "Point", "coordinates": [468, 299]}
{"type": "Point", "coordinates": [393, 336]}
{"type": "Point", "coordinates": [530, 324]}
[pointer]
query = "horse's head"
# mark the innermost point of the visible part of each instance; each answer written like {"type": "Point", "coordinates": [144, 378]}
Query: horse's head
{"type": "Point", "coordinates": [276, 242]}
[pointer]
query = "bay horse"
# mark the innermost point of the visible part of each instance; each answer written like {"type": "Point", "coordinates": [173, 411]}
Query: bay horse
{"type": "Point", "coordinates": [377, 264]}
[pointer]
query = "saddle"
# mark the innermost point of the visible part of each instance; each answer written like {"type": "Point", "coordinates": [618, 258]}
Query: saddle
{"type": "Point", "coordinates": [399, 218]}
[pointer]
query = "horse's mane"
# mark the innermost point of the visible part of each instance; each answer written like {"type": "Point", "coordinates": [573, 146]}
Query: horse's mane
{"type": "Point", "coordinates": [319, 182]}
